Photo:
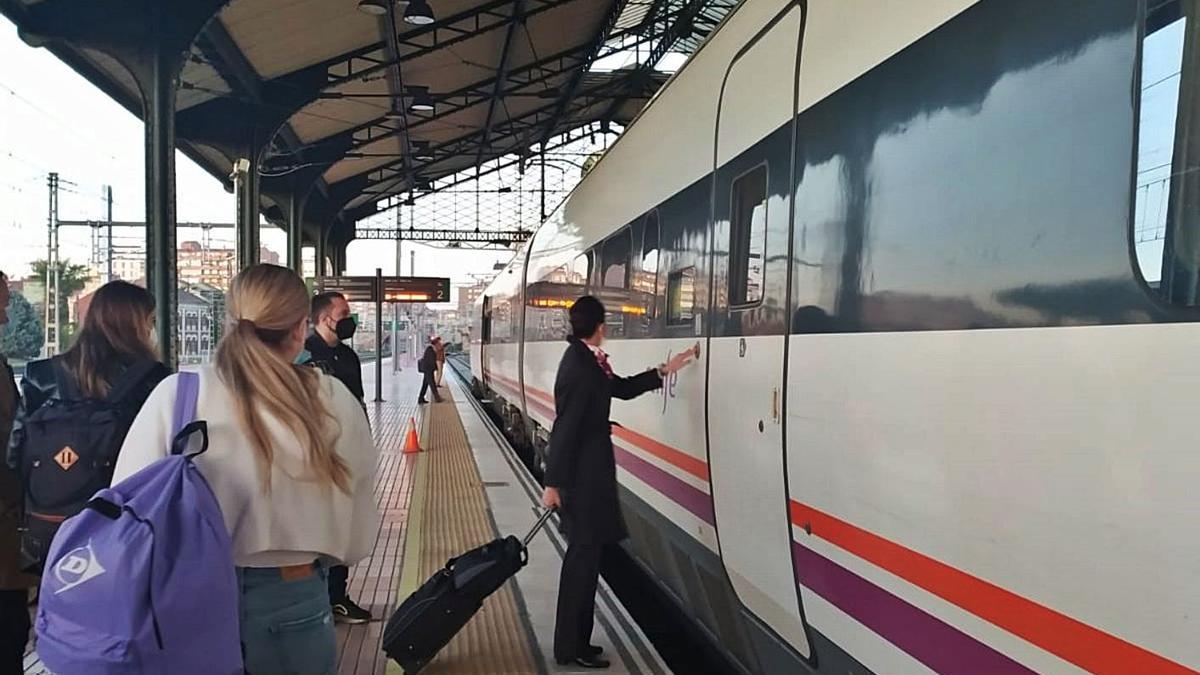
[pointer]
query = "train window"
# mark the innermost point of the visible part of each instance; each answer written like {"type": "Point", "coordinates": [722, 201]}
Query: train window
{"type": "Point", "coordinates": [648, 275]}
{"type": "Point", "coordinates": [615, 259]}
{"type": "Point", "coordinates": [681, 297]}
{"type": "Point", "coordinates": [1166, 230]}
{"type": "Point", "coordinates": [581, 270]}
{"type": "Point", "coordinates": [748, 237]}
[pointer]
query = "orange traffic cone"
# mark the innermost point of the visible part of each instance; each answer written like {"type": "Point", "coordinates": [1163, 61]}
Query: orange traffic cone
{"type": "Point", "coordinates": [412, 443]}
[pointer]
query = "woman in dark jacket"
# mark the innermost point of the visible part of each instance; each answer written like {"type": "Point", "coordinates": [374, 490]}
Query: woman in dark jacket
{"type": "Point", "coordinates": [581, 472]}
{"type": "Point", "coordinates": [114, 358]}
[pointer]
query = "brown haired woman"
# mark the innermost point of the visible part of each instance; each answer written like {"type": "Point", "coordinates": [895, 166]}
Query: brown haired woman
{"type": "Point", "coordinates": [291, 462]}
{"type": "Point", "coordinates": [76, 408]}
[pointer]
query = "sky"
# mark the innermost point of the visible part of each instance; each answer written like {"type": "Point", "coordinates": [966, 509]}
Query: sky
{"type": "Point", "coordinates": [52, 119]}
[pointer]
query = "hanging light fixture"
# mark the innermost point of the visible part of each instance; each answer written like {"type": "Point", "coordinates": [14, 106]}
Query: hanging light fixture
{"type": "Point", "coordinates": [418, 13]}
{"type": "Point", "coordinates": [421, 100]}
{"type": "Point", "coordinates": [373, 7]}
{"type": "Point", "coordinates": [421, 151]}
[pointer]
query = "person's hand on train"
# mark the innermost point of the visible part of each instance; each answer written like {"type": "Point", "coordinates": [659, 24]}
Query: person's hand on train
{"type": "Point", "coordinates": [551, 499]}
{"type": "Point", "coordinates": [678, 361]}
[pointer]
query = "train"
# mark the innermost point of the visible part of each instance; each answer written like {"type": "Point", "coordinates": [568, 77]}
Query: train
{"type": "Point", "coordinates": [942, 261]}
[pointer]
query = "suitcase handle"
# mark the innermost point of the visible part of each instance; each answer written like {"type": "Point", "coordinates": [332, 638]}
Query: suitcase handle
{"type": "Point", "coordinates": [541, 521]}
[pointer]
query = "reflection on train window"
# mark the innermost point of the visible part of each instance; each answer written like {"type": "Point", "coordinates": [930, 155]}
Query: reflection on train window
{"type": "Point", "coordinates": [748, 237]}
{"type": "Point", "coordinates": [648, 275]}
{"type": "Point", "coordinates": [1165, 226]}
{"type": "Point", "coordinates": [681, 297]}
{"type": "Point", "coordinates": [616, 261]}
{"type": "Point", "coordinates": [581, 270]}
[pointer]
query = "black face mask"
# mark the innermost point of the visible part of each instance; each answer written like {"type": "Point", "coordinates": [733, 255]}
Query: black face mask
{"type": "Point", "coordinates": [345, 328]}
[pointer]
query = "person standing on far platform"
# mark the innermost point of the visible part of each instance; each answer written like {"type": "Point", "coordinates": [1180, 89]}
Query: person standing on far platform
{"type": "Point", "coordinates": [428, 367]}
{"type": "Point", "coordinates": [439, 348]}
{"type": "Point", "coordinates": [332, 324]}
{"type": "Point", "coordinates": [581, 473]}
{"type": "Point", "coordinates": [14, 584]}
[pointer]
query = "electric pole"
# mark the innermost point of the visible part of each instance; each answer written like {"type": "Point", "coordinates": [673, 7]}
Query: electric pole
{"type": "Point", "coordinates": [53, 306]}
{"type": "Point", "coordinates": [108, 196]}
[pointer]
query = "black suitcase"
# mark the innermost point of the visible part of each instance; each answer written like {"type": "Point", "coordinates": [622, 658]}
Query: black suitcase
{"type": "Point", "coordinates": [432, 615]}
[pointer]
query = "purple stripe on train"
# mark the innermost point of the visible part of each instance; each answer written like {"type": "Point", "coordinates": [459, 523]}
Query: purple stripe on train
{"type": "Point", "coordinates": [676, 490]}
{"type": "Point", "coordinates": [926, 638]}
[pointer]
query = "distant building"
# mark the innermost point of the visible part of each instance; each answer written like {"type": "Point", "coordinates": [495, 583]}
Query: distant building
{"type": "Point", "coordinates": [128, 263]}
{"type": "Point", "coordinates": [196, 322]}
{"type": "Point", "coordinates": [195, 329]}
{"type": "Point", "coordinates": [199, 264]}
{"type": "Point", "coordinates": [467, 295]}
{"type": "Point", "coordinates": [195, 263]}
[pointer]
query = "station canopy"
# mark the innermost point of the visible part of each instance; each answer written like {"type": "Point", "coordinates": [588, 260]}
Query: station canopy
{"type": "Point", "coordinates": [370, 105]}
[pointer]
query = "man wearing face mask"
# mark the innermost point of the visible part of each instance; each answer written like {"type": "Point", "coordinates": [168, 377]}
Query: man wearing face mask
{"type": "Point", "coordinates": [331, 325]}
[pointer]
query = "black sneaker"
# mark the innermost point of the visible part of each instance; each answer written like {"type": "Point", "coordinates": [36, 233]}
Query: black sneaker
{"type": "Point", "coordinates": [348, 612]}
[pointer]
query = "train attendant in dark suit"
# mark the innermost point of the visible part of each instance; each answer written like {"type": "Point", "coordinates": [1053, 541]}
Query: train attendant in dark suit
{"type": "Point", "coordinates": [581, 473]}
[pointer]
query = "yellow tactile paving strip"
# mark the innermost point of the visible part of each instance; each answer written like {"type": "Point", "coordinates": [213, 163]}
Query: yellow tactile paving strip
{"type": "Point", "coordinates": [455, 519]}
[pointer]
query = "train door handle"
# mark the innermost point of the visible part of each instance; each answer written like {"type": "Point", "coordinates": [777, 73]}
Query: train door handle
{"type": "Point", "coordinates": [775, 405]}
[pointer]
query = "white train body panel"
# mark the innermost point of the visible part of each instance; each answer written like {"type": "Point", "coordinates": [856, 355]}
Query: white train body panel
{"type": "Point", "coordinates": [952, 480]}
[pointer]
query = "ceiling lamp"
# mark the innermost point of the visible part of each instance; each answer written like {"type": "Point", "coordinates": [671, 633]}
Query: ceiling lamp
{"type": "Point", "coordinates": [421, 100]}
{"type": "Point", "coordinates": [418, 13]}
{"type": "Point", "coordinates": [373, 7]}
{"type": "Point", "coordinates": [421, 151]}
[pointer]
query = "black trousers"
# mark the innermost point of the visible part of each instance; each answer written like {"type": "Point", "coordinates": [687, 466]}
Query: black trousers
{"type": "Point", "coordinates": [426, 385]}
{"type": "Point", "coordinates": [577, 599]}
{"type": "Point", "coordinates": [14, 631]}
{"type": "Point", "coordinates": [338, 575]}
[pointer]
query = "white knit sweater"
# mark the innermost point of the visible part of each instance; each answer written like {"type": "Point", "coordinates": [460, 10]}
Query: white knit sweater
{"type": "Point", "coordinates": [298, 520]}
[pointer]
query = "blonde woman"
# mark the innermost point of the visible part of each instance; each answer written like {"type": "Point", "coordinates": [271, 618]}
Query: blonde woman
{"type": "Point", "coordinates": [291, 462]}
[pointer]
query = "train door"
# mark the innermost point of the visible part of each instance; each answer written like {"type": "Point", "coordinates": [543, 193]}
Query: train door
{"type": "Point", "coordinates": [485, 338]}
{"type": "Point", "coordinates": [751, 214]}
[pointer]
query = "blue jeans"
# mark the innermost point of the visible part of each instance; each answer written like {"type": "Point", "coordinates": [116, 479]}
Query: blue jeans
{"type": "Point", "coordinates": [287, 626]}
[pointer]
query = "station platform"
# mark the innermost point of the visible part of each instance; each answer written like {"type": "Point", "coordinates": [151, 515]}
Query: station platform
{"type": "Point", "coordinates": [465, 488]}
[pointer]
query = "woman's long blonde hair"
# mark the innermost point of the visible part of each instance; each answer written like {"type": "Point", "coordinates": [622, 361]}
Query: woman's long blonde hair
{"type": "Point", "coordinates": [265, 306]}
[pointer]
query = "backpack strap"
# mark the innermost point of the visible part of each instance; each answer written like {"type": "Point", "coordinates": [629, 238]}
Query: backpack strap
{"type": "Point", "coordinates": [187, 392]}
{"type": "Point", "coordinates": [184, 423]}
{"type": "Point", "coordinates": [132, 377]}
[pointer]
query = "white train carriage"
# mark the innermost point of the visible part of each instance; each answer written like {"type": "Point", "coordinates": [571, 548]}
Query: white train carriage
{"type": "Point", "coordinates": [943, 260]}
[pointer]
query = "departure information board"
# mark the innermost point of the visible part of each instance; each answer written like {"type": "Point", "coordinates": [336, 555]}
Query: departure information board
{"type": "Point", "coordinates": [395, 289]}
{"type": "Point", "coordinates": [416, 289]}
{"type": "Point", "coordinates": [356, 289]}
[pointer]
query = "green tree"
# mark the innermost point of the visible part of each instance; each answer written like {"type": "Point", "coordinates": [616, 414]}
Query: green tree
{"type": "Point", "coordinates": [23, 334]}
{"type": "Point", "coordinates": [72, 278]}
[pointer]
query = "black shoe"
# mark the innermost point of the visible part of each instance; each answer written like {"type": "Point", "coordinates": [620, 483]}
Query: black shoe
{"type": "Point", "coordinates": [421, 401]}
{"type": "Point", "coordinates": [348, 612]}
{"type": "Point", "coordinates": [593, 650]}
{"type": "Point", "coordinates": [585, 662]}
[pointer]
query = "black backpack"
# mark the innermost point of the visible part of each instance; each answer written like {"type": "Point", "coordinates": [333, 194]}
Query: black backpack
{"type": "Point", "coordinates": [69, 453]}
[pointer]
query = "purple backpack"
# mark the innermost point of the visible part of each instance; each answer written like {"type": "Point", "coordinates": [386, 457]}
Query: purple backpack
{"type": "Point", "coordinates": [143, 580]}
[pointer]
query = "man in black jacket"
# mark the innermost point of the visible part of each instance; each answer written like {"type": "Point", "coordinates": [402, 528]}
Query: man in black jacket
{"type": "Point", "coordinates": [332, 323]}
{"type": "Point", "coordinates": [428, 367]}
{"type": "Point", "coordinates": [581, 473]}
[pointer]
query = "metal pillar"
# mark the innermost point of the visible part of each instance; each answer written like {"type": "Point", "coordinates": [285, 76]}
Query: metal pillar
{"type": "Point", "coordinates": [245, 180]}
{"type": "Point", "coordinates": [160, 196]}
{"type": "Point", "coordinates": [396, 310]}
{"type": "Point", "coordinates": [319, 254]}
{"type": "Point", "coordinates": [542, 186]}
{"type": "Point", "coordinates": [295, 250]}
{"type": "Point", "coordinates": [378, 335]}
